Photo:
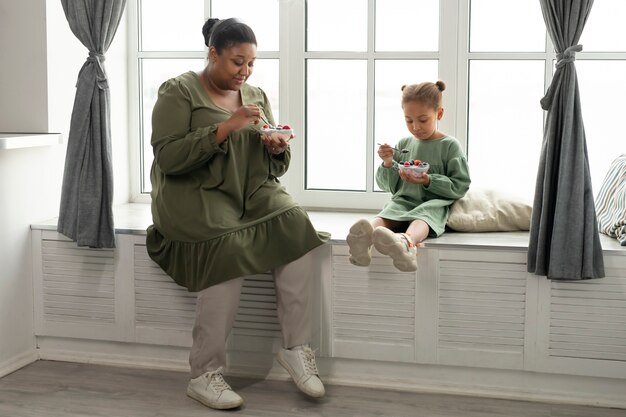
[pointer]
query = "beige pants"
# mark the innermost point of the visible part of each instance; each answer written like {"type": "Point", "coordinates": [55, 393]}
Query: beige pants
{"type": "Point", "coordinates": [217, 307]}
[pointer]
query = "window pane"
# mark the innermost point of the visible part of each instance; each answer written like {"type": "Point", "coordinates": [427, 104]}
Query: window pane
{"type": "Point", "coordinates": [605, 30]}
{"type": "Point", "coordinates": [155, 72]}
{"type": "Point", "coordinates": [266, 74]}
{"type": "Point", "coordinates": [172, 27]}
{"type": "Point", "coordinates": [506, 26]}
{"type": "Point", "coordinates": [260, 15]}
{"type": "Point", "coordinates": [336, 25]}
{"type": "Point", "coordinates": [505, 125]}
{"type": "Point", "coordinates": [397, 29]}
{"type": "Point", "coordinates": [336, 124]}
{"type": "Point", "coordinates": [602, 95]}
{"type": "Point", "coordinates": [391, 75]}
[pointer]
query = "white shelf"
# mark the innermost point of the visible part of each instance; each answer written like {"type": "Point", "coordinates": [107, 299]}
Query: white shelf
{"type": "Point", "coordinates": [29, 140]}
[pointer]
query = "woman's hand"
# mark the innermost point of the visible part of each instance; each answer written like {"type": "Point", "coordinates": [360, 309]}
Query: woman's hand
{"type": "Point", "coordinates": [274, 146]}
{"type": "Point", "coordinates": [244, 116]}
{"type": "Point", "coordinates": [420, 178]}
{"type": "Point", "coordinates": [385, 152]}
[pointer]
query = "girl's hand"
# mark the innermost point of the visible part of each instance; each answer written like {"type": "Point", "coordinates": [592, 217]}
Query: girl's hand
{"type": "Point", "coordinates": [274, 146]}
{"type": "Point", "coordinates": [385, 152]}
{"type": "Point", "coordinates": [420, 178]}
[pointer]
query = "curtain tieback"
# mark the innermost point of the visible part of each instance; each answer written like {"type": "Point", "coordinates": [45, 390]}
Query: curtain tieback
{"type": "Point", "coordinates": [101, 77]}
{"type": "Point", "coordinates": [568, 55]}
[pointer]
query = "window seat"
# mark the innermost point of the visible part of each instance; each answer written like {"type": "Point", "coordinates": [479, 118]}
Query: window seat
{"type": "Point", "coordinates": [470, 321]}
{"type": "Point", "coordinates": [134, 219]}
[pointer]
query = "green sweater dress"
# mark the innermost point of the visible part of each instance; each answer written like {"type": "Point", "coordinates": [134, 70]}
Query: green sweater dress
{"type": "Point", "coordinates": [449, 181]}
{"type": "Point", "coordinates": [219, 211]}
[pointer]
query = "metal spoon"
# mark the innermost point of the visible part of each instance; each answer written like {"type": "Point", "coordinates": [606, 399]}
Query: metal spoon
{"type": "Point", "coordinates": [395, 149]}
{"type": "Point", "coordinates": [265, 120]}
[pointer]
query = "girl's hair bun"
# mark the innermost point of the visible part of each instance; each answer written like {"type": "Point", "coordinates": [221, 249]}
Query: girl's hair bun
{"type": "Point", "coordinates": [440, 85]}
{"type": "Point", "coordinates": [403, 87]}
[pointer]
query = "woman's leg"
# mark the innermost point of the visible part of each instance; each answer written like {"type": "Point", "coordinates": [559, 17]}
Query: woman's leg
{"type": "Point", "coordinates": [216, 309]}
{"type": "Point", "coordinates": [292, 282]}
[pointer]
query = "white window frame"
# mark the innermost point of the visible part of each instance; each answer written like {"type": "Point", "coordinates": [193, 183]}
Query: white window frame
{"type": "Point", "coordinates": [453, 56]}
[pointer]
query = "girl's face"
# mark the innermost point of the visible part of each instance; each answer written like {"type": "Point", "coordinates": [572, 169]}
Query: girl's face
{"type": "Point", "coordinates": [231, 68]}
{"type": "Point", "coordinates": [421, 119]}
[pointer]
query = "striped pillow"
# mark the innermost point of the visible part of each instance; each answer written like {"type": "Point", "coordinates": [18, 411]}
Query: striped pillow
{"type": "Point", "coordinates": [611, 201]}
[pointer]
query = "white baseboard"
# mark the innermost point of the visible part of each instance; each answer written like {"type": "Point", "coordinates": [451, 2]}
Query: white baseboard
{"type": "Point", "coordinates": [479, 382]}
{"type": "Point", "coordinates": [167, 358]}
{"type": "Point", "coordinates": [456, 380]}
{"type": "Point", "coordinates": [17, 362]}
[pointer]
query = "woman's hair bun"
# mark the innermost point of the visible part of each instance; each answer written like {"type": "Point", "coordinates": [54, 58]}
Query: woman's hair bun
{"type": "Point", "coordinates": [440, 85]}
{"type": "Point", "coordinates": [207, 28]}
{"type": "Point", "coordinates": [403, 87]}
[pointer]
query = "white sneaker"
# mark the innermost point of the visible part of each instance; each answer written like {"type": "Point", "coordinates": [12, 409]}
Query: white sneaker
{"type": "Point", "coordinates": [211, 390]}
{"type": "Point", "coordinates": [360, 242]}
{"type": "Point", "coordinates": [300, 363]}
{"type": "Point", "coordinates": [398, 246]}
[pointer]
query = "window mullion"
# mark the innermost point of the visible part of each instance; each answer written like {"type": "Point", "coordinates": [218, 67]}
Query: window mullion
{"type": "Point", "coordinates": [134, 101]}
{"type": "Point", "coordinates": [292, 89]}
{"type": "Point", "coordinates": [371, 87]}
{"type": "Point", "coordinates": [454, 67]}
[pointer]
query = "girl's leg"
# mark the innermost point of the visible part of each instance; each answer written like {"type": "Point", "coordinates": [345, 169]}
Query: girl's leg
{"type": "Point", "coordinates": [216, 309]}
{"type": "Point", "coordinates": [359, 241]}
{"type": "Point", "coordinates": [401, 247]}
{"type": "Point", "coordinates": [389, 224]}
{"type": "Point", "coordinates": [418, 231]}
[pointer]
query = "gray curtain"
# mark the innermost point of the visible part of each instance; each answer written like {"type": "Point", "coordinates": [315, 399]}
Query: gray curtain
{"type": "Point", "coordinates": [86, 213]}
{"type": "Point", "coordinates": [564, 241]}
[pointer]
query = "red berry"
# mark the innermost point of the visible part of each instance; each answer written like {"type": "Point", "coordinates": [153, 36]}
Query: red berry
{"type": "Point", "coordinates": [417, 162]}
{"type": "Point", "coordinates": [406, 164]}
{"type": "Point", "coordinates": [266, 126]}
{"type": "Point", "coordinates": [286, 127]}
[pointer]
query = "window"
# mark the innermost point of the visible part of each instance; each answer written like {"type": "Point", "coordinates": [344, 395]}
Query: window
{"type": "Point", "coordinates": [160, 55]}
{"type": "Point", "coordinates": [337, 81]}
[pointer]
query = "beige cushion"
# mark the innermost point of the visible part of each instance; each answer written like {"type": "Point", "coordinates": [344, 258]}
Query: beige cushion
{"type": "Point", "coordinates": [483, 210]}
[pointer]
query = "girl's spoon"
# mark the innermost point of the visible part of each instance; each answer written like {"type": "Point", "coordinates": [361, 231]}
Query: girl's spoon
{"type": "Point", "coordinates": [395, 149]}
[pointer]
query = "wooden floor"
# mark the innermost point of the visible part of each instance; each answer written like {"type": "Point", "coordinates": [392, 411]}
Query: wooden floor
{"type": "Point", "coordinates": [60, 389]}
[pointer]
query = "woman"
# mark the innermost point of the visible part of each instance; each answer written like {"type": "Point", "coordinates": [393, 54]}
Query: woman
{"type": "Point", "coordinates": [220, 212]}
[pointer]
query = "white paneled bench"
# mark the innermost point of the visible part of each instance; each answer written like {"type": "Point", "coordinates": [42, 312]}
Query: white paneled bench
{"type": "Point", "coordinates": [470, 321]}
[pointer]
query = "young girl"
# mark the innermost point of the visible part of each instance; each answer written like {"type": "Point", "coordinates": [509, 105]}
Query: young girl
{"type": "Point", "coordinates": [420, 201]}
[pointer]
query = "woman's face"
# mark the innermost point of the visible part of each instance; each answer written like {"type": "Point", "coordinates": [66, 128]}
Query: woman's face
{"type": "Point", "coordinates": [421, 119]}
{"type": "Point", "coordinates": [230, 69]}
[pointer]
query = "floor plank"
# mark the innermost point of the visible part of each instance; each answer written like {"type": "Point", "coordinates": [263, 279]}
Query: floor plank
{"type": "Point", "coordinates": [62, 389]}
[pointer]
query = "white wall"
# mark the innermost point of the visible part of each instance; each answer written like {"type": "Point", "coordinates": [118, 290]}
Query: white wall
{"type": "Point", "coordinates": [39, 67]}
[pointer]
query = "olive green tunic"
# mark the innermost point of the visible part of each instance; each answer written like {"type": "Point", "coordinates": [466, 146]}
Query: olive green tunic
{"type": "Point", "coordinates": [449, 181]}
{"type": "Point", "coordinates": [219, 211]}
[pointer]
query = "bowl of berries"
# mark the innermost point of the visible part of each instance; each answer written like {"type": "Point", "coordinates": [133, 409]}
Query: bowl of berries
{"type": "Point", "coordinates": [278, 132]}
{"type": "Point", "coordinates": [415, 166]}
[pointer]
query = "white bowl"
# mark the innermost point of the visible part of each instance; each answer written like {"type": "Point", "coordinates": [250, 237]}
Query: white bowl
{"type": "Point", "coordinates": [277, 133]}
{"type": "Point", "coordinates": [422, 167]}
